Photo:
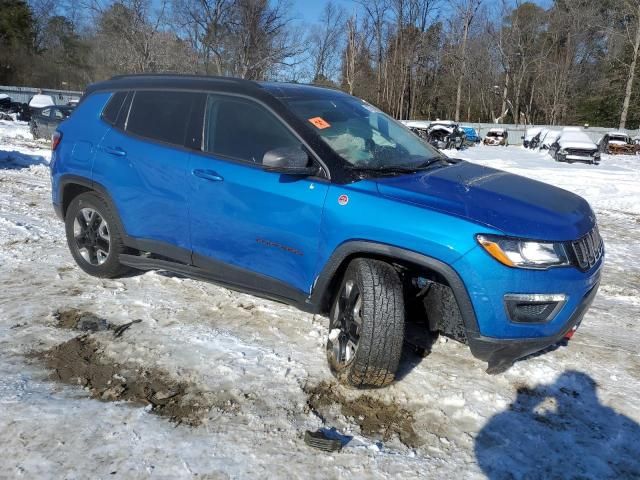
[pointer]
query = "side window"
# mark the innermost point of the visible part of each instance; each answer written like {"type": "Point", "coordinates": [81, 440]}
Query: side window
{"type": "Point", "coordinates": [111, 111]}
{"type": "Point", "coordinates": [162, 115]}
{"type": "Point", "coordinates": [242, 129]}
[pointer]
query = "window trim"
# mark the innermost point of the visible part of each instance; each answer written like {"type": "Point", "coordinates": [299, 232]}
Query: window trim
{"type": "Point", "coordinates": [324, 169]}
{"type": "Point", "coordinates": [112, 94]}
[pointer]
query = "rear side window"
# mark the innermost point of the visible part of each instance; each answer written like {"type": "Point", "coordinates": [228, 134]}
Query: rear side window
{"type": "Point", "coordinates": [111, 111]}
{"type": "Point", "coordinates": [162, 116]}
{"type": "Point", "coordinates": [242, 129]}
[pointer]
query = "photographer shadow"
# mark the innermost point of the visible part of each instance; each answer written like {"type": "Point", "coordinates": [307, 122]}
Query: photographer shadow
{"type": "Point", "coordinates": [559, 431]}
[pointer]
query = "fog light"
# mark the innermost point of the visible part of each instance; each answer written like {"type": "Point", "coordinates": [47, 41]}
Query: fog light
{"type": "Point", "coordinates": [533, 308]}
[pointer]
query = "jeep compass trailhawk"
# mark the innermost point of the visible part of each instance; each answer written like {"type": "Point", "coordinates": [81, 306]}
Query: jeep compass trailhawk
{"type": "Point", "coordinates": [312, 197]}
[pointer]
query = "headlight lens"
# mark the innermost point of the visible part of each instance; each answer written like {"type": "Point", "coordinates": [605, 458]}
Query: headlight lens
{"type": "Point", "coordinates": [514, 252]}
{"type": "Point", "coordinates": [562, 151]}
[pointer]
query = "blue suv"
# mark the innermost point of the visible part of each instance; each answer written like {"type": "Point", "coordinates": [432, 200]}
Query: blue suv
{"type": "Point", "coordinates": [315, 198]}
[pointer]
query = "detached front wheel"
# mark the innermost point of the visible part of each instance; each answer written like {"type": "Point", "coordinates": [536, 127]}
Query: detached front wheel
{"type": "Point", "coordinates": [366, 329]}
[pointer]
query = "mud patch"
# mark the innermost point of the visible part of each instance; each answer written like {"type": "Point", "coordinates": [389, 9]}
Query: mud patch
{"type": "Point", "coordinates": [375, 418]}
{"type": "Point", "coordinates": [81, 361]}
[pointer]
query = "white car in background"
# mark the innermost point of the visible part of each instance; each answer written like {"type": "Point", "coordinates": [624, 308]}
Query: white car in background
{"type": "Point", "coordinates": [573, 145]}
{"type": "Point", "coordinates": [41, 101]}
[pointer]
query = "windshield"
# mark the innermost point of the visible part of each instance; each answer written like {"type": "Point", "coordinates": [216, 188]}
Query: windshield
{"type": "Point", "coordinates": [363, 135]}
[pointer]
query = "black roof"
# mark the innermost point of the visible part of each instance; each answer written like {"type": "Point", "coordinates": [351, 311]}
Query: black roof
{"type": "Point", "coordinates": [279, 90]}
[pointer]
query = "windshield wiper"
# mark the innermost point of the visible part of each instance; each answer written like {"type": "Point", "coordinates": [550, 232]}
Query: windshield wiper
{"type": "Point", "coordinates": [394, 169]}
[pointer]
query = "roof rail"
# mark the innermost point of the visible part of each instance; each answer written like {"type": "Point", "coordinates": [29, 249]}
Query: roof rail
{"type": "Point", "coordinates": [181, 75]}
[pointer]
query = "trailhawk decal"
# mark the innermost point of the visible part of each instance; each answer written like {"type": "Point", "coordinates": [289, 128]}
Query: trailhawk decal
{"type": "Point", "coordinates": [269, 243]}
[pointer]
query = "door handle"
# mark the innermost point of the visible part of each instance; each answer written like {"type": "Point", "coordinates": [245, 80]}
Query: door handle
{"type": "Point", "coordinates": [116, 151]}
{"type": "Point", "coordinates": [207, 175]}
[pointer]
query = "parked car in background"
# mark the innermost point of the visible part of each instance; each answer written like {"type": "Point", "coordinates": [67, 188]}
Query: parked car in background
{"type": "Point", "coordinates": [497, 136]}
{"type": "Point", "coordinates": [531, 138]}
{"type": "Point", "coordinates": [618, 143]}
{"type": "Point", "coordinates": [471, 136]}
{"type": "Point", "coordinates": [44, 121]}
{"type": "Point", "coordinates": [550, 136]}
{"type": "Point", "coordinates": [574, 146]}
{"type": "Point", "coordinates": [419, 127]}
{"type": "Point", "coordinates": [445, 134]}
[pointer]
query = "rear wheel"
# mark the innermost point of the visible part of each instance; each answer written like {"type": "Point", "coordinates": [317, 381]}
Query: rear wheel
{"type": "Point", "coordinates": [93, 236]}
{"type": "Point", "coordinates": [367, 325]}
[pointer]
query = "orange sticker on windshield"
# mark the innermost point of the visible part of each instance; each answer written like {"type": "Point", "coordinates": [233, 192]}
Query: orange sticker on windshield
{"type": "Point", "coordinates": [319, 123]}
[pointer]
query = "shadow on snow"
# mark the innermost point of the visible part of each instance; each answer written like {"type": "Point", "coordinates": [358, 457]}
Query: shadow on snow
{"type": "Point", "coordinates": [559, 431]}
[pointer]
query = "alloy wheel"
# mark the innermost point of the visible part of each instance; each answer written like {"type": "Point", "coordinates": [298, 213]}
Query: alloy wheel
{"type": "Point", "coordinates": [346, 323]}
{"type": "Point", "coordinates": [91, 234]}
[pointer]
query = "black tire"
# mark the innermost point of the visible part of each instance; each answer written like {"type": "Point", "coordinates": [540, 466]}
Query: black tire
{"type": "Point", "coordinates": [108, 266]}
{"type": "Point", "coordinates": [380, 331]}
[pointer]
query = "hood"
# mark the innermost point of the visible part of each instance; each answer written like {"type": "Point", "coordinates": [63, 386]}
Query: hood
{"type": "Point", "coordinates": [510, 203]}
{"type": "Point", "coordinates": [577, 145]}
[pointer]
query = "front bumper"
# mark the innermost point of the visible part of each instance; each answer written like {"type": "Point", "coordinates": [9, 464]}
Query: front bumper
{"type": "Point", "coordinates": [581, 158]}
{"type": "Point", "coordinates": [501, 354]}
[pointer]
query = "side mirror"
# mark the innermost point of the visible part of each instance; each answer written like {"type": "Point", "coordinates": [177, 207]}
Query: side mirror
{"type": "Point", "coordinates": [522, 137]}
{"type": "Point", "coordinates": [289, 161]}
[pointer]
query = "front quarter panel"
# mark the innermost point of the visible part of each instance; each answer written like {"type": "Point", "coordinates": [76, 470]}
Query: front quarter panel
{"type": "Point", "coordinates": [358, 212]}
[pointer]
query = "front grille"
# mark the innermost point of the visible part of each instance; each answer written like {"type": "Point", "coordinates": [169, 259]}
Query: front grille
{"type": "Point", "coordinates": [581, 153]}
{"type": "Point", "coordinates": [588, 249]}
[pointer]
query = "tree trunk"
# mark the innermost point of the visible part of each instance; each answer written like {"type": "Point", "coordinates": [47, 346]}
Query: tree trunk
{"type": "Point", "coordinates": [631, 78]}
{"type": "Point", "coordinates": [463, 66]}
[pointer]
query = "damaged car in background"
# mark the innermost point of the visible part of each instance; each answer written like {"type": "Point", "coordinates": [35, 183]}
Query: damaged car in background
{"type": "Point", "coordinates": [10, 110]}
{"type": "Point", "coordinates": [618, 143]}
{"type": "Point", "coordinates": [442, 134]}
{"type": "Point", "coordinates": [471, 136]}
{"type": "Point", "coordinates": [445, 134]}
{"type": "Point", "coordinates": [497, 137]}
{"type": "Point", "coordinates": [531, 138]}
{"type": "Point", "coordinates": [574, 146]}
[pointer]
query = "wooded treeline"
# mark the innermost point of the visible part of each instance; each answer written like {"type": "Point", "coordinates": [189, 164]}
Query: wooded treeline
{"type": "Point", "coordinates": [574, 62]}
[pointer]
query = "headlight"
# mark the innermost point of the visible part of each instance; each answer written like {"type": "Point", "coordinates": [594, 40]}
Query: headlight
{"type": "Point", "coordinates": [562, 151]}
{"type": "Point", "coordinates": [514, 252]}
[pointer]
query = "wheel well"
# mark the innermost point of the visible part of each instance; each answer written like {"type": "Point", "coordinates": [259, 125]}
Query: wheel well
{"type": "Point", "coordinates": [71, 191]}
{"type": "Point", "coordinates": [429, 298]}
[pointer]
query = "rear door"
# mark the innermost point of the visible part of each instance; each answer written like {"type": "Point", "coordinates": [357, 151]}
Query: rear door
{"type": "Point", "coordinates": [142, 162]}
{"type": "Point", "coordinates": [262, 222]}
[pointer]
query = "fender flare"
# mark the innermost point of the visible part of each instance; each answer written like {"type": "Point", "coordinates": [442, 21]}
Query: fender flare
{"type": "Point", "coordinates": [68, 179]}
{"type": "Point", "coordinates": [351, 248]}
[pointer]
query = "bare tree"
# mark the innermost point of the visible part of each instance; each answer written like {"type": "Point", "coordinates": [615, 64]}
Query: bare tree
{"type": "Point", "coordinates": [466, 11]}
{"type": "Point", "coordinates": [204, 23]}
{"type": "Point", "coordinates": [631, 19]}
{"type": "Point", "coordinates": [324, 42]}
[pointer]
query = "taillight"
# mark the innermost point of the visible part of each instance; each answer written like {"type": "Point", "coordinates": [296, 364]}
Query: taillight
{"type": "Point", "coordinates": [55, 140]}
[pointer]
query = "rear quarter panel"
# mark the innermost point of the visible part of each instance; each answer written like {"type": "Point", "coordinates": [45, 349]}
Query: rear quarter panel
{"type": "Point", "coordinates": [81, 134]}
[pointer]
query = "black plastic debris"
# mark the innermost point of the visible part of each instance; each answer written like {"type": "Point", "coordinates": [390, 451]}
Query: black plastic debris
{"type": "Point", "coordinates": [321, 440]}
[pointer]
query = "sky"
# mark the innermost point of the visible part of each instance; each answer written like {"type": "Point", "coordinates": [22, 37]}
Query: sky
{"type": "Point", "coordinates": [310, 10]}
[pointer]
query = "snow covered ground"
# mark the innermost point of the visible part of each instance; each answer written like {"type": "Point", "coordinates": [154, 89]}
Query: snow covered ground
{"type": "Point", "coordinates": [258, 369]}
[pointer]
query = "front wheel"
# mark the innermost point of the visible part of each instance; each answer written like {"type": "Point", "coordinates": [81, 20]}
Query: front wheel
{"type": "Point", "coordinates": [366, 328]}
